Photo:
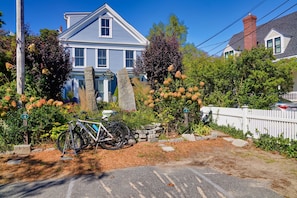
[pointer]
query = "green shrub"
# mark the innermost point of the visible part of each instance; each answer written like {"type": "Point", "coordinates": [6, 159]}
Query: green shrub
{"type": "Point", "coordinates": [12, 130]}
{"type": "Point", "coordinates": [230, 131]}
{"type": "Point", "coordinates": [201, 129]}
{"type": "Point", "coordinates": [284, 146]}
{"type": "Point", "coordinates": [42, 120]}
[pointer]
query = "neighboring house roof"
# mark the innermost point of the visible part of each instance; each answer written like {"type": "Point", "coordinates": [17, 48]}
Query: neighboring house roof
{"type": "Point", "coordinates": [69, 34]}
{"type": "Point", "coordinates": [286, 25]}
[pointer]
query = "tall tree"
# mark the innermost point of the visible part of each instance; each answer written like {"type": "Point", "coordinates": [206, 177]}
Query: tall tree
{"type": "Point", "coordinates": [173, 28]}
{"type": "Point", "coordinates": [1, 21]}
{"type": "Point", "coordinates": [159, 54]}
{"type": "Point", "coordinates": [47, 65]}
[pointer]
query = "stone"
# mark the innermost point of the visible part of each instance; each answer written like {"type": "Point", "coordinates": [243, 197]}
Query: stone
{"type": "Point", "coordinates": [23, 149]}
{"type": "Point", "coordinates": [90, 89]}
{"type": "Point", "coordinates": [14, 162]}
{"type": "Point", "coordinates": [189, 137]}
{"type": "Point", "coordinates": [239, 143]}
{"type": "Point", "coordinates": [126, 93]}
{"type": "Point", "coordinates": [228, 139]}
{"type": "Point", "coordinates": [167, 148]}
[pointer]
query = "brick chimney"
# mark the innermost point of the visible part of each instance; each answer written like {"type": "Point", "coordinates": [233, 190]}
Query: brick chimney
{"type": "Point", "coordinates": [250, 35]}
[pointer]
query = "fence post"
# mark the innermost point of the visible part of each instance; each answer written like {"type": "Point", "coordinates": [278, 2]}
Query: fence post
{"type": "Point", "coordinates": [244, 119]}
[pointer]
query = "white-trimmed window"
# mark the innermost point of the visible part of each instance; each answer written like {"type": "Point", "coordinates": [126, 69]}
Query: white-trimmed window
{"type": "Point", "coordinates": [79, 56]}
{"type": "Point", "coordinates": [129, 58]}
{"type": "Point", "coordinates": [102, 58]}
{"type": "Point", "coordinates": [269, 44]}
{"type": "Point", "coordinates": [229, 53]}
{"type": "Point", "coordinates": [275, 44]}
{"type": "Point", "coordinates": [105, 27]}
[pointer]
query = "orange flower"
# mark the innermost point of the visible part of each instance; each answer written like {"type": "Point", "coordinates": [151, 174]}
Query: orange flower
{"type": "Point", "coordinates": [45, 71]}
{"type": "Point", "coordinates": [166, 82]}
{"type": "Point", "coordinates": [146, 102]}
{"type": "Point", "coordinates": [201, 84]}
{"type": "Point", "coordinates": [7, 98]}
{"type": "Point", "coordinates": [152, 91]}
{"type": "Point", "coordinates": [195, 88]}
{"type": "Point", "coordinates": [59, 104]}
{"type": "Point", "coordinates": [170, 68]}
{"type": "Point", "coordinates": [183, 76]}
{"type": "Point", "coordinates": [166, 95]}
{"type": "Point", "coordinates": [151, 105]}
{"type": "Point", "coordinates": [29, 107]}
{"type": "Point", "coordinates": [23, 98]}
{"type": "Point", "coordinates": [190, 89]}
{"type": "Point", "coordinates": [188, 95]}
{"type": "Point", "coordinates": [42, 101]}
{"type": "Point", "coordinates": [199, 101]}
{"type": "Point", "coordinates": [32, 99]}
{"type": "Point", "coordinates": [194, 97]}
{"type": "Point", "coordinates": [178, 74]}
{"type": "Point", "coordinates": [8, 66]}
{"type": "Point", "coordinates": [13, 103]}
{"type": "Point", "coordinates": [182, 90]}
{"type": "Point", "coordinates": [38, 104]}
{"type": "Point", "coordinates": [50, 101]}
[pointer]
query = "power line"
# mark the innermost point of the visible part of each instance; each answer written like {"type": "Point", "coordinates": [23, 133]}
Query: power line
{"type": "Point", "coordinates": [261, 26]}
{"type": "Point", "coordinates": [230, 24]}
{"type": "Point", "coordinates": [257, 21]}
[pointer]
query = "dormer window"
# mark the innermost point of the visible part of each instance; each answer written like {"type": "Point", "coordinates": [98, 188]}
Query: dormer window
{"type": "Point", "coordinates": [275, 44]}
{"type": "Point", "coordinates": [105, 26]}
{"type": "Point", "coordinates": [229, 53]}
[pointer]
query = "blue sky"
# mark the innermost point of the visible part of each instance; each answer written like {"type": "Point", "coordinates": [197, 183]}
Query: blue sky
{"type": "Point", "coordinates": [204, 18]}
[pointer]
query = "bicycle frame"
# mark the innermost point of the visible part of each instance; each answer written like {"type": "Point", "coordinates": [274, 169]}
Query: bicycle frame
{"type": "Point", "coordinates": [86, 125]}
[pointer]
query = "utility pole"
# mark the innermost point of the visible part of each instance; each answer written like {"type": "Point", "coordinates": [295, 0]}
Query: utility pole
{"type": "Point", "coordinates": [20, 51]}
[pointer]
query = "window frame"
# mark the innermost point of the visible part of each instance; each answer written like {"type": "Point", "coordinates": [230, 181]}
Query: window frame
{"type": "Point", "coordinates": [79, 57]}
{"type": "Point", "coordinates": [277, 47]}
{"type": "Point", "coordinates": [275, 43]}
{"type": "Point", "coordinates": [128, 60]}
{"type": "Point", "coordinates": [106, 59]}
{"type": "Point", "coordinates": [269, 42]}
{"type": "Point", "coordinates": [229, 53]}
{"type": "Point", "coordinates": [109, 27]}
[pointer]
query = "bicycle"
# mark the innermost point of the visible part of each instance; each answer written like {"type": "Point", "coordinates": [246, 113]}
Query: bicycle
{"type": "Point", "coordinates": [110, 135]}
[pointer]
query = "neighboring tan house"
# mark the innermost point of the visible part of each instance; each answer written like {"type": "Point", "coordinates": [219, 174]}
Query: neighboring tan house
{"type": "Point", "coordinates": [104, 40]}
{"type": "Point", "coordinates": [279, 34]}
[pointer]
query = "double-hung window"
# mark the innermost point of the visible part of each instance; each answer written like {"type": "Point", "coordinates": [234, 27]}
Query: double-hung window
{"type": "Point", "coordinates": [79, 56]}
{"type": "Point", "coordinates": [277, 45]}
{"type": "Point", "coordinates": [269, 43]}
{"type": "Point", "coordinates": [274, 44]}
{"type": "Point", "coordinates": [102, 58]}
{"type": "Point", "coordinates": [105, 27]}
{"type": "Point", "coordinates": [129, 58]}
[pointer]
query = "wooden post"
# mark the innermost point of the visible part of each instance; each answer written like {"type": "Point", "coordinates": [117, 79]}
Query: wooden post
{"type": "Point", "coordinates": [20, 51]}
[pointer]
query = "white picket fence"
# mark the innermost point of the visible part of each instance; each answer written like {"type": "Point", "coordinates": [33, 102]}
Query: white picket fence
{"type": "Point", "coordinates": [272, 122]}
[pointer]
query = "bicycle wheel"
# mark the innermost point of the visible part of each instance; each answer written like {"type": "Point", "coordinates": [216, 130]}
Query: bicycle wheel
{"type": "Point", "coordinates": [118, 137]}
{"type": "Point", "coordinates": [65, 142]}
{"type": "Point", "coordinates": [124, 128]}
{"type": "Point", "coordinates": [84, 136]}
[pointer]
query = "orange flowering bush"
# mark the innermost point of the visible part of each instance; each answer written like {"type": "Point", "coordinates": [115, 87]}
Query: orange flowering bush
{"type": "Point", "coordinates": [173, 97]}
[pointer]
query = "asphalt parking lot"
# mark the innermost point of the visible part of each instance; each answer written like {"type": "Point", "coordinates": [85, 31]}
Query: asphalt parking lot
{"type": "Point", "coordinates": [145, 181]}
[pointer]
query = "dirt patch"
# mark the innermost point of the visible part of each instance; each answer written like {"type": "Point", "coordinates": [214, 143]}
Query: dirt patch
{"type": "Point", "coordinates": [277, 171]}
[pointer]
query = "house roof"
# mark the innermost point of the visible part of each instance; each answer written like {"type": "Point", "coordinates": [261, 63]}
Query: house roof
{"type": "Point", "coordinates": [286, 25]}
{"type": "Point", "coordinates": [90, 17]}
